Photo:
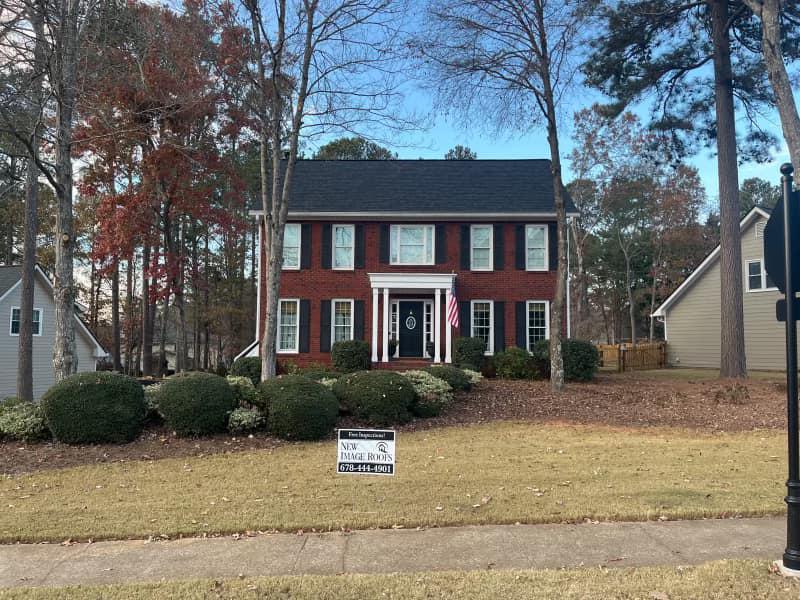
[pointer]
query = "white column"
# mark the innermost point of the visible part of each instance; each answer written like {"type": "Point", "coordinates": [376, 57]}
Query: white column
{"type": "Point", "coordinates": [448, 330]}
{"type": "Point", "coordinates": [437, 327]}
{"type": "Point", "coordinates": [374, 325]}
{"type": "Point", "coordinates": [386, 312]}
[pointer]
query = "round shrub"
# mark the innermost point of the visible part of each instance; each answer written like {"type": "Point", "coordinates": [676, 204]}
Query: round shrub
{"type": "Point", "coordinates": [351, 356]}
{"type": "Point", "coordinates": [245, 420]}
{"type": "Point", "coordinates": [244, 391]}
{"type": "Point", "coordinates": [299, 408]}
{"type": "Point", "coordinates": [541, 357]}
{"type": "Point", "coordinates": [196, 403]}
{"type": "Point", "coordinates": [515, 363]}
{"type": "Point", "coordinates": [433, 394]}
{"type": "Point", "coordinates": [581, 360]}
{"type": "Point", "coordinates": [457, 379]}
{"type": "Point", "coordinates": [473, 376]}
{"type": "Point", "coordinates": [95, 408]}
{"type": "Point", "coordinates": [378, 397]}
{"type": "Point", "coordinates": [151, 392]}
{"type": "Point", "coordinates": [22, 421]}
{"type": "Point", "coordinates": [469, 352]}
{"type": "Point", "coordinates": [317, 373]}
{"type": "Point", "coordinates": [249, 366]}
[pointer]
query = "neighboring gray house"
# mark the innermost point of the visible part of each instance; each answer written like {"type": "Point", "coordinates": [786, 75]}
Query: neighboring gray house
{"type": "Point", "coordinates": [691, 315]}
{"type": "Point", "coordinates": [89, 350]}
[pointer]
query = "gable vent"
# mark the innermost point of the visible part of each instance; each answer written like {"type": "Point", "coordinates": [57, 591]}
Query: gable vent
{"type": "Point", "coordinates": [760, 230]}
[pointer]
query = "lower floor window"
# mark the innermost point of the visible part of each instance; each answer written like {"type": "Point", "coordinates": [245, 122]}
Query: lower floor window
{"type": "Point", "coordinates": [342, 320]}
{"type": "Point", "coordinates": [538, 322]}
{"type": "Point", "coordinates": [16, 321]}
{"type": "Point", "coordinates": [288, 325]}
{"type": "Point", "coordinates": [482, 323]}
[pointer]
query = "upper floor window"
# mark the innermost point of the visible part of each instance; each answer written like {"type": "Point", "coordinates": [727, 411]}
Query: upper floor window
{"type": "Point", "coordinates": [538, 322]}
{"type": "Point", "coordinates": [482, 322]}
{"type": "Point", "coordinates": [288, 325]}
{"type": "Point", "coordinates": [536, 247]}
{"type": "Point", "coordinates": [481, 247]}
{"type": "Point", "coordinates": [16, 321]}
{"type": "Point", "coordinates": [412, 245]}
{"type": "Point", "coordinates": [291, 246]}
{"type": "Point", "coordinates": [757, 278]}
{"type": "Point", "coordinates": [343, 245]}
{"type": "Point", "coordinates": [342, 320]}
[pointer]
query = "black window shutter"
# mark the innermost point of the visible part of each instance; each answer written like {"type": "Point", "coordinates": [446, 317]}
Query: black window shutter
{"type": "Point", "coordinates": [552, 245]}
{"type": "Point", "coordinates": [326, 246]}
{"type": "Point", "coordinates": [464, 318]}
{"type": "Point", "coordinates": [305, 323]}
{"type": "Point", "coordinates": [499, 262]}
{"type": "Point", "coordinates": [305, 246]}
{"type": "Point", "coordinates": [519, 254]}
{"type": "Point", "coordinates": [441, 245]}
{"type": "Point", "coordinates": [325, 326]}
{"type": "Point", "coordinates": [499, 326]}
{"type": "Point", "coordinates": [465, 242]}
{"type": "Point", "coordinates": [358, 320]}
{"type": "Point", "coordinates": [360, 250]}
{"type": "Point", "coordinates": [383, 251]}
{"type": "Point", "coordinates": [521, 325]}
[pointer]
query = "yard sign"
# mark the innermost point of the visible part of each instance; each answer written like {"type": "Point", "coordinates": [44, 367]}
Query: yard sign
{"type": "Point", "coordinates": [365, 451]}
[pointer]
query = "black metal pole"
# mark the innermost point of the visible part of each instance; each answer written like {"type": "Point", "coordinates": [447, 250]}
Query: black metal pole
{"type": "Point", "coordinates": [791, 556]}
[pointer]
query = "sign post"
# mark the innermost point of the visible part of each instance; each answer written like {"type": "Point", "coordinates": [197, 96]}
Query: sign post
{"type": "Point", "coordinates": [780, 240]}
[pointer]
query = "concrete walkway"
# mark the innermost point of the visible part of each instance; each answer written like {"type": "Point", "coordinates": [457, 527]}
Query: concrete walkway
{"type": "Point", "coordinates": [385, 551]}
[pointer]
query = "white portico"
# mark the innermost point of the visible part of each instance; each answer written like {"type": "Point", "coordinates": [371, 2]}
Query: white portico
{"type": "Point", "coordinates": [411, 291]}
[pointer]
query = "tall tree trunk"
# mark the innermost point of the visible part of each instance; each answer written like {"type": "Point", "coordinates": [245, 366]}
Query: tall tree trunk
{"type": "Point", "coordinates": [115, 333]}
{"type": "Point", "coordinates": [131, 366]}
{"type": "Point", "coordinates": [8, 245]}
{"type": "Point", "coordinates": [581, 316]}
{"type": "Point", "coordinates": [147, 315]}
{"type": "Point", "coordinates": [629, 295]}
{"type": "Point", "coordinates": [733, 362]}
{"type": "Point", "coordinates": [163, 364]}
{"type": "Point", "coordinates": [25, 361]}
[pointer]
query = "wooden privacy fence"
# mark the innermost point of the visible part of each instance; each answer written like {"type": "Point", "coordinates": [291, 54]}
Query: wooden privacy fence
{"type": "Point", "coordinates": [627, 357]}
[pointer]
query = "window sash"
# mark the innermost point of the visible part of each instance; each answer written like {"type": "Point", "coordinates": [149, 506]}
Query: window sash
{"type": "Point", "coordinates": [288, 325]}
{"type": "Point", "coordinates": [291, 246]}
{"type": "Point", "coordinates": [757, 278]}
{"type": "Point", "coordinates": [481, 251]}
{"type": "Point", "coordinates": [343, 248]}
{"type": "Point", "coordinates": [341, 320]}
{"type": "Point", "coordinates": [16, 321]}
{"type": "Point", "coordinates": [536, 248]}
{"type": "Point", "coordinates": [482, 322]}
{"type": "Point", "coordinates": [408, 250]}
{"type": "Point", "coordinates": [538, 322]}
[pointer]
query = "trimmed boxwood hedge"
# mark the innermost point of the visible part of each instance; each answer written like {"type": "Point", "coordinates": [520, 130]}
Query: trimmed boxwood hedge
{"type": "Point", "coordinates": [196, 403]}
{"type": "Point", "coordinates": [516, 363]}
{"type": "Point", "coordinates": [299, 408]}
{"type": "Point", "coordinates": [377, 397]}
{"type": "Point", "coordinates": [469, 352]}
{"type": "Point", "coordinates": [249, 366]}
{"type": "Point", "coordinates": [457, 379]}
{"type": "Point", "coordinates": [581, 359]}
{"type": "Point", "coordinates": [351, 356]}
{"type": "Point", "coordinates": [97, 407]}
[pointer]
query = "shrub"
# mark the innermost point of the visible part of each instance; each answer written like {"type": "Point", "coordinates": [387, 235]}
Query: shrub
{"type": "Point", "coordinates": [469, 352]}
{"type": "Point", "coordinates": [474, 376]}
{"type": "Point", "coordinates": [299, 408]}
{"type": "Point", "coordinates": [581, 360]}
{"type": "Point", "coordinates": [244, 391]}
{"type": "Point", "coordinates": [541, 357]}
{"type": "Point", "coordinates": [457, 379]}
{"type": "Point", "coordinates": [94, 408]}
{"type": "Point", "coordinates": [515, 363]}
{"type": "Point", "coordinates": [249, 366]}
{"type": "Point", "coordinates": [151, 400]}
{"type": "Point", "coordinates": [317, 373]}
{"type": "Point", "coordinates": [433, 394]}
{"type": "Point", "coordinates": [245, 420]}
{"type": "Point", "coordinates": [196, 403]}
{"type": "Point", "coordinates": [378, 397]}
{"type": "Point", "coordinates": [351, 356]}
{"type": "Point", "coordinates": [22, 421]}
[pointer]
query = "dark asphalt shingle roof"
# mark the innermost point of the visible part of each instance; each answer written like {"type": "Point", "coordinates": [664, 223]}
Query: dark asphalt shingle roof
{"type": "Point", "coordinates": [423, 186]}
{"type": "Point", "coordinates": [8, 277]}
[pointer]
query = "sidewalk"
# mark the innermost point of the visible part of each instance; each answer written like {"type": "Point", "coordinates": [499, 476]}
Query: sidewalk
{"type": "Point", "coordinates": [385, 551]}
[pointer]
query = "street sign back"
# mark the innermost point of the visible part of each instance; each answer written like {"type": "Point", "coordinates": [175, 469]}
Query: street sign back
{"type": "Point", "coordinates": [774, 243]}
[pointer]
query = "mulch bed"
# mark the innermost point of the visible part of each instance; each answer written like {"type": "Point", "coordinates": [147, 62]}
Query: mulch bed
{"type": "Point", "coordinates": [618, 401]}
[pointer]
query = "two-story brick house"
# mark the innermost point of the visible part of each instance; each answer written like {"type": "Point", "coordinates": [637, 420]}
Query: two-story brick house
{"type": "Point", "coordinates": [374, 250]}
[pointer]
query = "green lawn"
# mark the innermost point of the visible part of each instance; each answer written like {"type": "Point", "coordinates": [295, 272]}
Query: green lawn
{"type": "Point", "coordinates": [497, 473]}
{"type": "Point", "coordinates": [728, 580]}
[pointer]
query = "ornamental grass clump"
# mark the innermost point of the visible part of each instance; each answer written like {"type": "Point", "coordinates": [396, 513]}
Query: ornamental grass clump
{"type": "Point", "coordinates": [377, 397]}
{"type": "Point", "coordinates": [433, 394]}
{"type": "Point", "coordinates": [298, 407]}
{"type": "Point", "coordinates": [196, 403]}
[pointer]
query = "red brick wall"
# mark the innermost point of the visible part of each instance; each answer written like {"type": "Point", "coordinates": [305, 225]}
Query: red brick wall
{"type": "Point", "coordinates": [317, 284]}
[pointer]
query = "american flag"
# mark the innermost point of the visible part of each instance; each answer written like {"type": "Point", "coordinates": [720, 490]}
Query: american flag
{"type": "Point", "coordinates": [452, 309]}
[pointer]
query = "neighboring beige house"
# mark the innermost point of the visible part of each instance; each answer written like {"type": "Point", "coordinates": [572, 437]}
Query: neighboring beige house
{"type": "Point", "coordinates": [89, 350]}
{"type": "Point", "coordinates": [691, 315]}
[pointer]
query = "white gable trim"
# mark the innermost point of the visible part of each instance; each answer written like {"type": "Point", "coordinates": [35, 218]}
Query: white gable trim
{"type": "Point", "coordinates": [11, 289]}
{"type": "Point", "coordinates": [661, 311]}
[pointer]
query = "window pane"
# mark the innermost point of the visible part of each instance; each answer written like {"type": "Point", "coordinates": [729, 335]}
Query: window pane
{"type": "Point", "coordinates": [480, 258]}
{"type": "Point", "coordinates": [287, 325]}
{"type": "Point", "coordinates": [535, 237]}
{"type": "Point", "coordinates": [342, 320]}
{"type": "Point", "coordinates": [481, 322]}
{"type": "Point", "coordinates": [37, 317]}
{"type": "Point", "coordinates": [537, 323]}
{"type": "Point", "coordinates": [343, 257]}
{"type": "Point", "coordinates": [429, 244]}
{"type": "Point", "coordinates": [535, 258]}
{"type": "Point", "coordinates": [481, 237]}
{"type": "Point", "coordinates": [411, 254]}
{"type": "Point", "coordinates": [15, 314]}
{"type": "Point", "coordinates": [754, 275]}
{"type": "Point", "coordinates": [291, 235]}
{"type": "Point", "coordinates": [291, 246]}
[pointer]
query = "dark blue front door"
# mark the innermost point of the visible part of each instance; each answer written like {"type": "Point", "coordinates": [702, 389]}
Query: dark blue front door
{"type": "Point", "coordinates": [411, 321]}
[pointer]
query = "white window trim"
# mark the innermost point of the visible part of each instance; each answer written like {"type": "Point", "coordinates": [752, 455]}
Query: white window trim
{"type": "Point", "coordinates": [528, 320]}
{"type": "Point", "coordinates": [352, 229]}
{"type": "Point", "coordinates": [299, 247]}
{"type": "Point", "coordinates": [333, 317]}
{"type": "Point", "coordinates": [394, 234]}
{"type": "Point", "coordinates": [296, 348]}
{"type": "Point", "coordinates": [490, 345]}
{"type": "Point", "coordinates": [546, 266]}
{"type": "Point", "coordinates": [747, 264]}
{"type": "Point", "coordinates": [11, 321]}
{"type": "Point", "coordinates": [472, 266]}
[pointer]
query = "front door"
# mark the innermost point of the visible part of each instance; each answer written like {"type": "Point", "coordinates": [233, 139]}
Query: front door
{"type": "Point", "coordinates": [412, 324]}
